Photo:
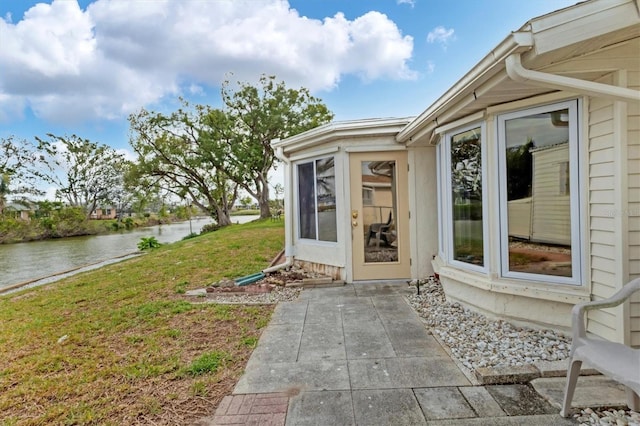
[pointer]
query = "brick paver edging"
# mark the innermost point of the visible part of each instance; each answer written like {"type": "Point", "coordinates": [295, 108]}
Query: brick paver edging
{"type": "Point", "coordinates": [268, 409]}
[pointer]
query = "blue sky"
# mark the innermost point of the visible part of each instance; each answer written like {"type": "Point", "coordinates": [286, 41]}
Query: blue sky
{"type": "Point", "coordinates": [80, 67]}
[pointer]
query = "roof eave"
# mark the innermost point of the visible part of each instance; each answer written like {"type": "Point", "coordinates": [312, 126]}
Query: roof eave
{"type": "Point", "coordinates": [519, 41]}
{"type": "Point", "coordinates": [342, 130]}
{"type": "Point", "coordinates": [530, 40]}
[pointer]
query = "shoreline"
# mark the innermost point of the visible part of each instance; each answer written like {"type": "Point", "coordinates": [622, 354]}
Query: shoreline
{"type": "Point", "coordinates": [34, 282]}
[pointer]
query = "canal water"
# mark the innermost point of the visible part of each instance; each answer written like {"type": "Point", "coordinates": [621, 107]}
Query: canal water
{"type": "Point", "coordinates": [24, 262]}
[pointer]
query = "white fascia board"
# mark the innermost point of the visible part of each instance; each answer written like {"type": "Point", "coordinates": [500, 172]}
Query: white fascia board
{"type": "Point", "coordinates": [567, 26]}
{"type": "Point", "coordinates": [342, 130]}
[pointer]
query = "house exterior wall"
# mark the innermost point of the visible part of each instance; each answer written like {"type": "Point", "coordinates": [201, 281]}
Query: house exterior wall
{"type": "Point", "coordinates": [614, 196]}
{"type": "Point", "coordinates": [535, 303]}
{"type": "Point", "coordinates": [633, 159]}
{"type": "Point", "coordinates": [519, 212]}
{"type": "Point", "coordinates": [103, 213]}
{"type": "Point", "coordinates": [309, 251]}
{"type": "Point", "coordinates": [602, 220]}
{"type": "Point", "coordinates": [331, 258]}
{"type": "Point", "coordinates": [423, 208]}
{"type": "Point", "coordinates": [610, 204]}
{"type": "Point", "coordinates": [550, 208]}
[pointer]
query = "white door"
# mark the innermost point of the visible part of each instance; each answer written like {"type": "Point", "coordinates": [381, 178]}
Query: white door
{"type": "Point", "coordinates": [379, 215]}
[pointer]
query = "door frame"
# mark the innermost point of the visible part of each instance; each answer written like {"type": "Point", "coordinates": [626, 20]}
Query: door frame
{"type": "Point", "coordinates": [361, 270]}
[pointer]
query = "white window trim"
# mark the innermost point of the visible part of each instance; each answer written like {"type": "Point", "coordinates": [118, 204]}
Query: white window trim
{"type": "Point", "coordinates": [440, 183]}
{"type": "Point", "coordinates": [315, 240]}
{"type": "Point", "coordinates": [447, 201]}
{"type": "Point", "coordinates": [577, 258]}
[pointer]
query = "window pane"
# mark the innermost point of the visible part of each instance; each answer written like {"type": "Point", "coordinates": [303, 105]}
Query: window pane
{"type": "Point", "coordinates": [326, 195]}
{"type": "Point", "coordinates": [538, 193]}
{"type": "Point", "coordinates": [466, 197]}
{"type": "Point", "coordinates": [307, 201]}
{"type": "Point", "coordinates": [379, 214]}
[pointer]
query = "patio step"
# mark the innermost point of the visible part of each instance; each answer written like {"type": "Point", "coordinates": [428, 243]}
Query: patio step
{"type": "Point", "coordinates": [322, 282]}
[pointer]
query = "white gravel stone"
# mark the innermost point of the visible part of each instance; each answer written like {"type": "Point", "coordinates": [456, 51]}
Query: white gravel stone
{"type": "Point", "coordinates": [477, 341]}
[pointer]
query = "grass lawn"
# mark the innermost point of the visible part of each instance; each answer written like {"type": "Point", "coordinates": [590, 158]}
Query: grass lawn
{"type": "Point", "coordinates": [122, 345]}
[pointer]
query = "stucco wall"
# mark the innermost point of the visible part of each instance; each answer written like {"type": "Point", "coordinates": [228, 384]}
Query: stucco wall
{"type": "Point", "coordinates": [423, 207]}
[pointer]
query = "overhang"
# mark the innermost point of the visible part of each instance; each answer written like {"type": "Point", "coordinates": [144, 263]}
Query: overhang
{"type": "Point", "coordinates": [337, 130]}
{"type": "Point", "coordinates": [542, 44]}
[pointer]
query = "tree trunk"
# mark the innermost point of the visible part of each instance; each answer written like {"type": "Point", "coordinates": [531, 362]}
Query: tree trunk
{"type": "Point", "coordinates": [223, 217]}
{"type": "Point", "coordinates": [263, 199]}
{"type": "Point", "coordinates": [265, 211]}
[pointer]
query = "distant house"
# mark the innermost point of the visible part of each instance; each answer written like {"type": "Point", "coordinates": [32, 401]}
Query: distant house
{"type": "Point", "coordinates": [517, 236]}
{"type": "Point", "coordinates": [544, 216]}
{"type": "Point", "coordinates": [20, 211]}
{"type": "Point", "coordinates": [103, 213]}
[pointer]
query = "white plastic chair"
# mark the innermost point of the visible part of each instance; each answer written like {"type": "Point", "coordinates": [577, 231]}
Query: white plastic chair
{"type": "Point", "coordinates": [615, 360]}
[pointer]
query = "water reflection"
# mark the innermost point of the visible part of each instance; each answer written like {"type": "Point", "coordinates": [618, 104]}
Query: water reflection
{"type": "Point", "coordinates": [27, 261]}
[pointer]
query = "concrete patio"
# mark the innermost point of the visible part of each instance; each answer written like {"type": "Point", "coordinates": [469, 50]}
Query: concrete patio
{"type": "Point", "coordinates": [359, 355]}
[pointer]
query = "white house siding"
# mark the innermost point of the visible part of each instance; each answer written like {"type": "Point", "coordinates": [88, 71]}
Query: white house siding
{"type": "Point", "coordinates": [551, 211]}
{"type": "Point", "coordinates": [601, 195]}
{"type": "Point", "coordinates": [519, 216]}
{"type": "Point", "coordinates": [614, 160]}
{"type": "Point", "coordinates": [633, 159]}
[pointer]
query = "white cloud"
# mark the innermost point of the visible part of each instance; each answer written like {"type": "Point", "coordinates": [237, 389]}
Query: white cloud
{"type": "Point", "coordinates": [431, 67]}
{"type": "Point", "coordinates": [127, 154]}
{"type": "Point", "coordinates": [411, 3]}
{"type": "Point", "coordinates": [116, 56]}
{"type": "Point", "coordinates": [441, 35]}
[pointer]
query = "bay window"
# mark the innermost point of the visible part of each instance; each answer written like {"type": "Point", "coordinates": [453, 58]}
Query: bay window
{"type": "Point", "coordinates": [535, 209]}
{"type": "Point", "coordinates": [538, 150]}
{"type": "Point", "coordinates": [464, 200]}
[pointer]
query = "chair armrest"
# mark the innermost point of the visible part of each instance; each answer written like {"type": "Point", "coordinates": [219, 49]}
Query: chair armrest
{"type": "Point", "coordinates": [578, 311]}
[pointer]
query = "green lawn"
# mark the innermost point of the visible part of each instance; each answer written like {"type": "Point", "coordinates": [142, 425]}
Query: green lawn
{"type": "Point", "coordinates": [123, 345]}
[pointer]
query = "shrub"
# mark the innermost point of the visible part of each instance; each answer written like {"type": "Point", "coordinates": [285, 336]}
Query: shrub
{"type": "Point", "coordinates": [128, 223]}
{"type": "Point", "coordinates": [211, 227]}
{"type": "Point", "coordinates": [148, 243]}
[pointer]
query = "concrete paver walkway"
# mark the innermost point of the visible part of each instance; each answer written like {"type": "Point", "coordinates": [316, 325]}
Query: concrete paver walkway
{"type": "Point", "coordinates": [359, 355]}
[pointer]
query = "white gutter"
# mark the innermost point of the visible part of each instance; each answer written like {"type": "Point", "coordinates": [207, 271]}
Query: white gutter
{"type": "Point", "coordinates": [518, 73]}
{"type": "Point", "coordinates": [288, 214]}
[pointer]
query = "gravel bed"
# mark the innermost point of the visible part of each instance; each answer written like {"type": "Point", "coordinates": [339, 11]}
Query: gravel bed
{"type": "Point", "coordinates": [477, 341]}
{"type": "Point", "coordinates": [539, 247]}
{"type": "Point", "coordinates": [607, 417]}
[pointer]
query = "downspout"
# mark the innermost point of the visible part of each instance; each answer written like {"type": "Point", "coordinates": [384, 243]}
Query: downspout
{"type": "Point", "coordinates": [288, 215]}
{"type": "Point", "coordinates": [518, 73]}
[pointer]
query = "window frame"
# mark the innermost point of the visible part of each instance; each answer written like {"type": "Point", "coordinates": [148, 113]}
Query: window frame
{"type": "Point", "coordinates": [314, 162]}
{"type": "Point", "coordinates": [574, 107]}
{"type": "Point", "coordinates": [446, 199]}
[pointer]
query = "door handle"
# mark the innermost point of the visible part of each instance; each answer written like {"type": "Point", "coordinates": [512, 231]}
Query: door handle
{"type": "Point", "coordinates": [354, 223]}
